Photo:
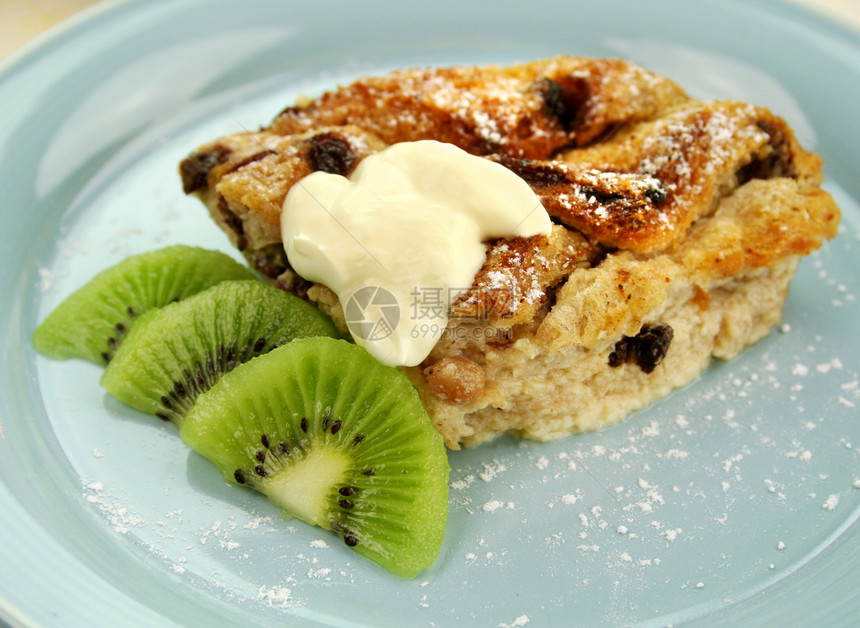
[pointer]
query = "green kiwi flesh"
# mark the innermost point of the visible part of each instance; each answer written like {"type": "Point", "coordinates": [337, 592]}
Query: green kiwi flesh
{"type": "Point", "coordinates": [337, 439]}
{"type": "Point", "coordinates": [93, 321]}
{"type": "Point", "coordinates": [175, 353]}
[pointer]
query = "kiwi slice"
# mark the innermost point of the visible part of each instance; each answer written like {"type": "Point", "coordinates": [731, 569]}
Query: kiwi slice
{"type": "Point", "coordinates": [179, 351]}
{"type": "Point", "coordinates": [93, 321]}
{"type": "Point", "coordinates": [337, 439]}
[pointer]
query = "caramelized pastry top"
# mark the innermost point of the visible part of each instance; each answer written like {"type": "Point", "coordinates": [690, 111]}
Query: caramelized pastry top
{"type": "Point", "coordinates": [621, 158]}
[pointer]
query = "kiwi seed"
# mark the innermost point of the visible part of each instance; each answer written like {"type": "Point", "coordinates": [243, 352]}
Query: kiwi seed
{"type": "Point", "coordinates": [159, 369]}
{"type": "Point", "coordinates": [94, 321]}
{"type": "Point", "coordinates": [356, 454]}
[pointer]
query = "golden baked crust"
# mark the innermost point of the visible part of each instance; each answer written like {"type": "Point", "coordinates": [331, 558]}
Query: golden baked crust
{"type": "Point", "coordinates": [244, 178]}
{"type": "Point", "coordinates": [678, 226]}
{"type": "Point", "coordinates": [529, 110]}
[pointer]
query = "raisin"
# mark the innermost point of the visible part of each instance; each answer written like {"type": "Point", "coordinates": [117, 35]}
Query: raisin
{"type": "Point", "coordinates": [647, 348]}
{"type": "Point", "coordinates": [656, 194]}
{"type": "Point", "coordinates": [555, 102]}
{"type": "Point", "coordinates": [621, 353]}
{"type": "Point", "coordinates": [652, 343]}
{"type": "Point", "coordinates": [565, 98]}
{"type": "Point", "coordinates": [233, 223]}
{"type": "Point", "coordinates": [195, 168]}
{"type": "Point", "coordinates": [271, 260]}
{"type": "Point", "coordinates": [330, 153]}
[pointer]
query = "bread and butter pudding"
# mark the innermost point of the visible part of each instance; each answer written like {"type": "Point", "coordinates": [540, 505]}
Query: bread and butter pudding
{"type": "Point", "coordinates": [675, 227]}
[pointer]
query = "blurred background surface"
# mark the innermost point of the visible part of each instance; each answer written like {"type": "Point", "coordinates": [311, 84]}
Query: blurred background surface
{"type": "Point", "coordinates": [22, 20]}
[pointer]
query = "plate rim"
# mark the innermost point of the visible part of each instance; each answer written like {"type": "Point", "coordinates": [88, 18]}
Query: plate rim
{"type": "Point", "coordinates": [112, 9]}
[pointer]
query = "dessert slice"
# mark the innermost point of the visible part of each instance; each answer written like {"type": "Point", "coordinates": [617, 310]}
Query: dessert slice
{"type": "Point", "coordinates": [678, 225]}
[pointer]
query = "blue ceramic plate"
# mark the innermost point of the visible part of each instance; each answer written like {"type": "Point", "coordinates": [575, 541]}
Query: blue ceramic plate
{"type": "Point", "coordinates": [734, 500]}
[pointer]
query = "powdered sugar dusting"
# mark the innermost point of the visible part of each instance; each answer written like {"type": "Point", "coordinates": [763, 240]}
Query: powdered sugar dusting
{"type": "Point", "coordinates": [831, 502]}
{"type": "Point", "coordinates": [490, 471]}
{"type": "Point", "coordinates": [495, 504]}
{"type": "Point", "coordinates": [276, 595]}
{"type": "Point", "coordinates": [519, 622]}
{"type": "Point", "coordinates": [622, 504]}
{"type": "Point", "coordinates": [652, 507]}
{"type": "Point", "coordinates": [627, 502]}
{"type": "Point", "coordinates": [117, 515]}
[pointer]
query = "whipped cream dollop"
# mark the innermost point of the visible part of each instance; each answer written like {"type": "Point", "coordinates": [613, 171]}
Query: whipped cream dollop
{"type": "Point", "coordinates": [403, 236]}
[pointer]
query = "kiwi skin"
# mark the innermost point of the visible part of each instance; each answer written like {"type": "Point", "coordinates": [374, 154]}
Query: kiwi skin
{"type": "Point", "coordinates": [175, 353]}
{"type": "Point", "coordinates": [337, 439]}
{"type": "Point", "coordinates": [93, 321]}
